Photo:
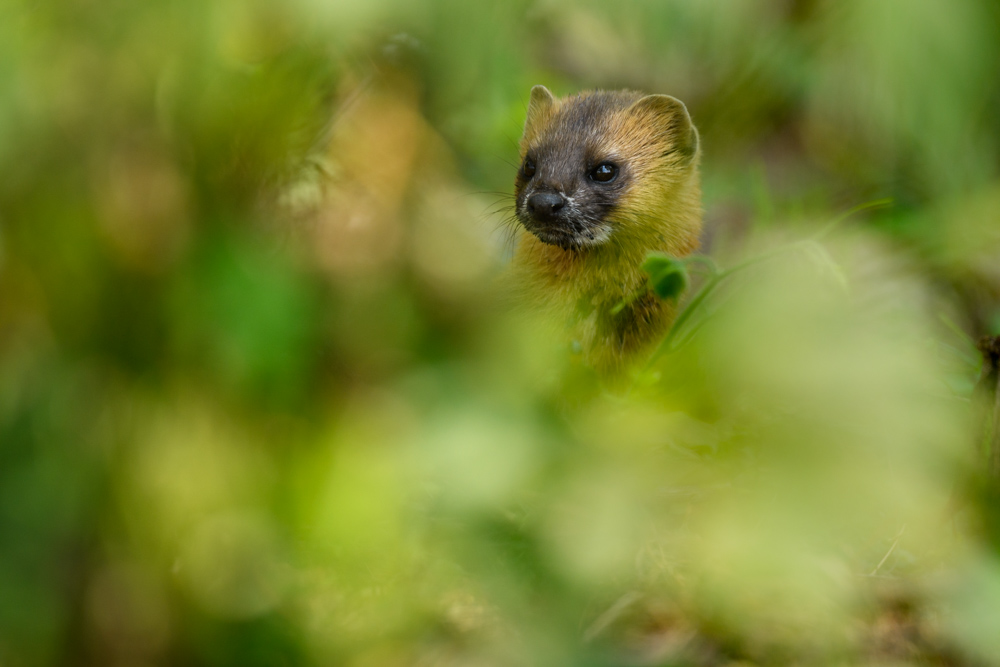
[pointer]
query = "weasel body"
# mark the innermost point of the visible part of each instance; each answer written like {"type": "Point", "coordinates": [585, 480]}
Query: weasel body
{"type": "Point", "coordinates": [605, 179]}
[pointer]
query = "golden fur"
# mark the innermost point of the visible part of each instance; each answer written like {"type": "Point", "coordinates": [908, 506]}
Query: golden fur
{"type": "Point", "coordinates": [659, 210]}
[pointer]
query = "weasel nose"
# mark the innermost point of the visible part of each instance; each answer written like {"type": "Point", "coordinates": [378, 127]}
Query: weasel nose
{"type": "Point", "coordinates": [545, 205]}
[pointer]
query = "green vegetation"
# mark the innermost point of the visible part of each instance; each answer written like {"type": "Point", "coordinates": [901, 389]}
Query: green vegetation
{"type": "Point", "coordinates": [264, 401]}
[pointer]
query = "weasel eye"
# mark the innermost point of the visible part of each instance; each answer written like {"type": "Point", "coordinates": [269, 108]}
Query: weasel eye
{"type": "Point", "coordinates": [604, 172]}
{"type": "Point", "coordinates": [528, 168]}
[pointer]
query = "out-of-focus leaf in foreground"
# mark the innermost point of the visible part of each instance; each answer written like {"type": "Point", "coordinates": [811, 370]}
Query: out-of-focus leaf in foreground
{"type": "Point", "coordinates": [267, 397]}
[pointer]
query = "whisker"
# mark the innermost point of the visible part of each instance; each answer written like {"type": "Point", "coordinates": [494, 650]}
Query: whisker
{"type": "Point", "coordinates": [506, 161]}
{"type": "Point", "coordinates": [503, 212]}
{"type": "Point", "coordinates": [511, 239]}
{"type": "Point", "coordinates": [498, 193]}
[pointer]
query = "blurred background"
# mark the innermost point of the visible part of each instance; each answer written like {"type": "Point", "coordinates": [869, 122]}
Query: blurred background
{"type": "Point", "coordinates": [264, 399]}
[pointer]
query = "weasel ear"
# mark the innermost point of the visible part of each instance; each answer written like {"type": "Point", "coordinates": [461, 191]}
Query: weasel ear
{"type": "Point", "coordinates": [539, 106]}
{"type": "Point", "coordinates": [671, 116]}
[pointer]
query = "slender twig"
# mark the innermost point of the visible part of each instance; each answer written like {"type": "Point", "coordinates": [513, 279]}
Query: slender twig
{"type": "Point", "coordinates": [867, 206]}
{"type": "Point", "coordinates": [895, 543]}
{"type": "Point", "coordinates": [611, 615]}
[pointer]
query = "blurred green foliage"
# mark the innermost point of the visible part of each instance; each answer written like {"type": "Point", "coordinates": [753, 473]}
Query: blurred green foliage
{"type": "Point", "coordinates": [264, 399]}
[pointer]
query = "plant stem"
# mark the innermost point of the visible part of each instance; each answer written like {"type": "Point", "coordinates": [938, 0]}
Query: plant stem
{"type": "Point", "coordinates": [666, 346]}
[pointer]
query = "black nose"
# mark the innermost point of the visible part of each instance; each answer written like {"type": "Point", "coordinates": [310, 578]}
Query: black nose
{"type": "Point", "coordinates": [545, 205]}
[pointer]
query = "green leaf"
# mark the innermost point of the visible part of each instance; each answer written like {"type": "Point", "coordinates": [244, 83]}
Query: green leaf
{"type": "Point", "coordinates": [668, 276]}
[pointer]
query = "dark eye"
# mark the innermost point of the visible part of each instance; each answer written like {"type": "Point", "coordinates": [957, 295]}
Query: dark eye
{"type": "Point", "coordinates": [604, 172]}
{"type": "Point", "coordinates": [528, 168]}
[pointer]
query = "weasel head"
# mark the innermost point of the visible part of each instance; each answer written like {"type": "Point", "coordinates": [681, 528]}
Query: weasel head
{"type": "Point", "coordinates": [599, 161]}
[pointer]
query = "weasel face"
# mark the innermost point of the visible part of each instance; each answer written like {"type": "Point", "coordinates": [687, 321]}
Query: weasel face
{"type": "Point", "coordinates": [583, 156]}
{"type": "Point", "coordinates": [565, 193]}
{"type": "Point", "coordinates": [571, 180]}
